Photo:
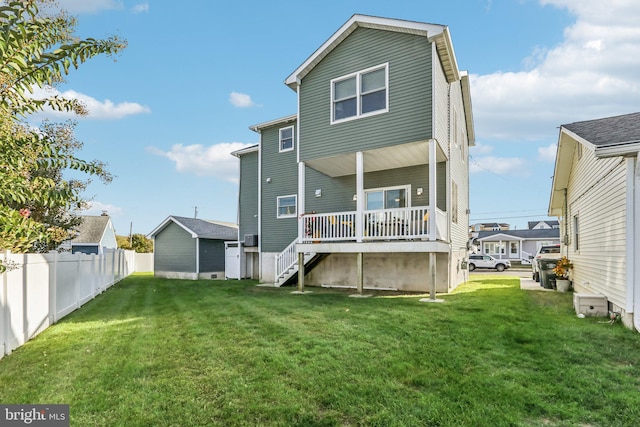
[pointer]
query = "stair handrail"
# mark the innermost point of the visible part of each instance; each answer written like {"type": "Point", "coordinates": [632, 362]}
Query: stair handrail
{"type": "Point", "coordinates": [285, 260]}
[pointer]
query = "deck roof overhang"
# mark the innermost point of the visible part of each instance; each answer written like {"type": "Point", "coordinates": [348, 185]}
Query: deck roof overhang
{"type": "Point", "coordinates": [392, 157]}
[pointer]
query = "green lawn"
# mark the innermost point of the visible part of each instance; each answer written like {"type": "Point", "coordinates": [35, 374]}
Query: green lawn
{"type": "Point", "coordinates": [153, 352]}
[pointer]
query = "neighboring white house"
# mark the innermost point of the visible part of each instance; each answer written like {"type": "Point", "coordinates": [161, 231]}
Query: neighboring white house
{"type": "Point", "coordinates": [94, 234]}
{"type": "Point", "coordinates": [596, 196]}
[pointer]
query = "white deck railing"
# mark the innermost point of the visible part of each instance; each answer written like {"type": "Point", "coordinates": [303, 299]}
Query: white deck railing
{"type": "Point", "coordinates": [286, 259]}
{"type": "Point", "coordinates": [381, 224]}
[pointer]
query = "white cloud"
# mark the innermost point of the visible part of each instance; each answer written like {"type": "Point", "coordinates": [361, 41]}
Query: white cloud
{"type": "Point", "coordinates": [548, 153]}
{"type": "Point", "coordinates": [96, 208]}
{"type": "Point", "coordinates": [90, 6]}
{"type": "Point", "coordinates": [141, 7]}
{"type": "Point", "coordinates": [103, 110]}
{"type": "Point", "coordinates": [592, 73]}
{"type": "Point", "coordinates": [215, 160]}
{"type": "Point", "coordinates": [241, 100]}
{"type": "Point", "coordinates": [499, 166]}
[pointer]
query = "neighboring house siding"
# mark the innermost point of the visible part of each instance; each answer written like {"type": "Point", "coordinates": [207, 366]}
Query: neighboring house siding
{"type": "Point", "coordinates": [175, 250]}
{"type": "Point", "coordinates": [597, 194]}
{"type": "Point", "coordinates": [248, 215]}
{"type": "Point", "coordinates": [282, 168]}
{"type": "Point", "coordinates": [409, 59]}
{"type": "Point", "coordinates": [211, 255]}
{"type": "Point", "coordinates": [109, 237]}
{"type": "Point", "coordinates": [459, 168]}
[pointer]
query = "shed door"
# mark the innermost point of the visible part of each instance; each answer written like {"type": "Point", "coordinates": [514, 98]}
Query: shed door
{"type": "Point", "coordinates": [233, 267]}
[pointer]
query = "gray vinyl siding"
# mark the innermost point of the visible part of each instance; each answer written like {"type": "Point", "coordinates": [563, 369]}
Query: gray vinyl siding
{"type": "Point", "coordinates": [409, 116]}
{"type": "Point", "coordinates": [337, 193]}
{"type": "Point", "coordinates": [174, 250]}
{"type": "Point", "coordinates": [248, 215]}
{"type": "Point", "coordinates": [282, 168]}
{"type": "Point", "coordinates": [211, 255]}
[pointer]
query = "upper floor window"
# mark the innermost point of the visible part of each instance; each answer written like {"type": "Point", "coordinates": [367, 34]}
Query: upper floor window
{"type": "Point", "coordinates": [287, 206]}
{"type": "Point", "coordinates": [360, 94]}
{"type": "Point", "coordinates": [286, 139]}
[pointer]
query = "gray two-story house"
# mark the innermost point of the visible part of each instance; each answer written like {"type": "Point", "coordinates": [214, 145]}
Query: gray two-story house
{"type": "Point", "coordinates": [369, 180]}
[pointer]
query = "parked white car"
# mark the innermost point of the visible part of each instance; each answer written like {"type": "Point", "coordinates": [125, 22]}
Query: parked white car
{"type": "Point", "coordinates": [487, 261]}
{"type": "Point", "coordinates": [546, 252]}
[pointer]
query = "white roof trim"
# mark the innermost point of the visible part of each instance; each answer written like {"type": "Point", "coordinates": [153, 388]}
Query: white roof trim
{"type": "Point", "coordinates": [500, 236]}
{"type": "Point", "coordinates": [280, 121]}
{"type": "Point", "coordinates": [238, 153]}
{"type": "Point", "coordinates": [166, 222]}
{"type": "Point", "coordinates": [388, 24]}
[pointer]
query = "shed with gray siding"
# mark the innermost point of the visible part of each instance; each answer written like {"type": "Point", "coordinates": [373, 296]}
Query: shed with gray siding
{"type": "Point", "coordinates": [190, 248]}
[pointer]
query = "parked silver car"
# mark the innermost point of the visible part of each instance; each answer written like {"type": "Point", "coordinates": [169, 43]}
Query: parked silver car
{"type": "Point", "coordinates": [546, 252]}
{"type": "Point", "coordinates": [487, 261]}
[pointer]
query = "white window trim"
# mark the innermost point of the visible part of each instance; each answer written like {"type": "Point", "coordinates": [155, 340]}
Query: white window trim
{"type": "Point", "coordinates": [293, 140]}
{"type": "Point", "coordinates": [358, 75]}
{"type": "Point", "coordinates": [295, 196]}
{"type": "Point", "coordinates": [407, 189]}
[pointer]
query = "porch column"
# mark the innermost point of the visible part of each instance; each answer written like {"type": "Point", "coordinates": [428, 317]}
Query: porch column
{"type": "Point", "coordinates": [301, 200]}
{"type": "Point", "coordinates": [432, 190]}
{"type": "Point", "coordinates": [359, 195]}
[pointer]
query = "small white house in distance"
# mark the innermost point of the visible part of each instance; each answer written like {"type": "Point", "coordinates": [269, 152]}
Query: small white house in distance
{"type": "Point", "coordinates": [95, 233]}
{"type": "Point", "coordinates": [596, 196]}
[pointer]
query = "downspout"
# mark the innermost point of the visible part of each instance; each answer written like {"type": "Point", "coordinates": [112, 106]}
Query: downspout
{"type": "Point", "coordinates": [632, 233]}
{"type": "Point", "coordinates": [260, 207]}
{"type": "Point", "coordinates": [565, 240]}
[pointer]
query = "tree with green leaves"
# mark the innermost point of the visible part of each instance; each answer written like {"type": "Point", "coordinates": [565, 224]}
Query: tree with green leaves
{"type": "Point", "coordinates": [137, 242]}
{"type": "Point", "coordinates": [37, 49]}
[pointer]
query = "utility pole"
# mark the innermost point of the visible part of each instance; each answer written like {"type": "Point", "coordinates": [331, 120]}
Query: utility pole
{"type": "Point", "coordinates": [130, 234]}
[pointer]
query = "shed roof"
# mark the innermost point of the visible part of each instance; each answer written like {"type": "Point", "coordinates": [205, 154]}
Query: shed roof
{"type": "Point", "coordinates": [201, 228]}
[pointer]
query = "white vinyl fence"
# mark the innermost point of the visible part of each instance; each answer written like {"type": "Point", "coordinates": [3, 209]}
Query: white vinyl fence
{"type": "Point", "coordinates": [40, 289]}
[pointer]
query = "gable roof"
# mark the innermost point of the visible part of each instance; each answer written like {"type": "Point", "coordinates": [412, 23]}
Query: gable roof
{"type": "Point", "coordinates": [91, 229]}
{"type": "Point", "coordinates": [435, 32]}
{"type": "Point", "coordinates": [607, 137]}
{"type": "Point", "coordinates": [550, 223]}
{"type": "Point", "coordinates": [541, 233]}
{"type": "Point", "coordinates": [200, 228]}
{"type": "Point", "coordinates": [622, 132]}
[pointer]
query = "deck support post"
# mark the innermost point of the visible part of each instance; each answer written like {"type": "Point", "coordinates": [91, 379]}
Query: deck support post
{"type": "Point", "coordinates": [360, 261]}
{"type": "Point", "coordinates": [301, 272]}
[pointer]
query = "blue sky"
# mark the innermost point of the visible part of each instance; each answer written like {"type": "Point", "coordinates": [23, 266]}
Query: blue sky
{"type": "Point", "coordinates": [166, 112]}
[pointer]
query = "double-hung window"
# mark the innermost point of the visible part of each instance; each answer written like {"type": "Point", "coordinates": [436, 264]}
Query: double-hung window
{"type": "Point", "coordinates": [360, 94]}
{"type": "Point", "coordinates": [287, 206]}
{"type": "Point", "coordinates": [286, 139]}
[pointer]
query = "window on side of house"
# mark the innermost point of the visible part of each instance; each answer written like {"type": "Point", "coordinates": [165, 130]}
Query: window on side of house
{"type": "Point", "coordinates": [454, 202]}
{"type": "Point", "coordinates": [360, 94]}
{"type": "Point", "coordinates": [286, 139]}
{"type": "Point", "coordinates": [576, 233]}
{"type": "Point", "coordinates": [287, 206]}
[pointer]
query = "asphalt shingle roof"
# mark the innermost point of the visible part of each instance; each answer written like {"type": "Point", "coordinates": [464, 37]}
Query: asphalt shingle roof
{"type": "Point", "coordinates": [618, 130]}
{"type": "Point", "coordinates": [208, 229]}
{"type": "Point", "coordinates": [91, 229]}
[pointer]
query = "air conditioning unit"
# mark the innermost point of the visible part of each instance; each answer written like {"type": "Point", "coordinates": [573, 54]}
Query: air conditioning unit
{"type": "Point", "coordinates": [250, 240]}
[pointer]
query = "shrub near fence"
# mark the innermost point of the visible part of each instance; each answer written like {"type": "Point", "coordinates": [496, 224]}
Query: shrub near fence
{"type": "Point", "coordinates": [40, 289]}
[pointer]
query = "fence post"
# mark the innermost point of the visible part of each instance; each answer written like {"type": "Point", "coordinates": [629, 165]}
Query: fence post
{"type": "Point", "coordinates": [53, 288]}
{"type": "Point", "coordinates": [4, 312]}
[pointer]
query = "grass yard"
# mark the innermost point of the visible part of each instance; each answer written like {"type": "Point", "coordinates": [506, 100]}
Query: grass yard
{"type": "Point", "coordinates": [153, 352]}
